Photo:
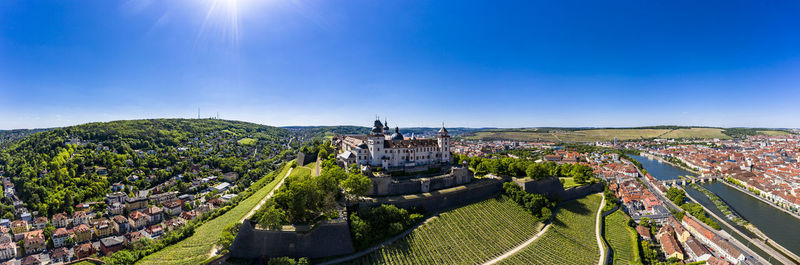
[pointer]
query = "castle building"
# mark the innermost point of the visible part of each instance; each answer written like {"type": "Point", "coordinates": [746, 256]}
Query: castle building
{"type": "Point", "coordinates": [381, 148]}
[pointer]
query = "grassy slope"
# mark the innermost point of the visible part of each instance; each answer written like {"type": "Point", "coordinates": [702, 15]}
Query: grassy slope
{"type": "Point", "coordinates": [467, 235]}
{"type": "Point", "coordinates": [621, 238]}
{"type": "Point", "coordinates": [196, 248]}
{"type": "Point", "coordinates": [571, 240]}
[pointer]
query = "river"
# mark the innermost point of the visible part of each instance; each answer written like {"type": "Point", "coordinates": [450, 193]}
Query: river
{"type": "Point", "coordinates": [776, 224]}
{"type": "Point", "coordinates": [661, 170]}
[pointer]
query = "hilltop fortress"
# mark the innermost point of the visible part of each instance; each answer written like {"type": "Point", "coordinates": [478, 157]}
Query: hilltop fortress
{"type": "Point", "coordinates": [406, 165]}
{"type": "Point", "coordinates": [393, 151]}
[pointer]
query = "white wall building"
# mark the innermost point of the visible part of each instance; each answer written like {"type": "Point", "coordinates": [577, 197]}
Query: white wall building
{"type": "Point", "coordinates": [382, 149]}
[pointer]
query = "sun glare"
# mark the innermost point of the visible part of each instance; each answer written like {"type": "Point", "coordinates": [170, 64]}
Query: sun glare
{"type": "Point", "coordinates": [222, 20]}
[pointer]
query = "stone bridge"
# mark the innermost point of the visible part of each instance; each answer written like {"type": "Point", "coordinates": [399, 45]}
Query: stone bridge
{"type": "Point", "coordinates": [684, 181]}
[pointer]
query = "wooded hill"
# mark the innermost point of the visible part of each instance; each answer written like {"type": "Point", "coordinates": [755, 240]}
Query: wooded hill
{"type": "Point", "coordinates": [54, 170]}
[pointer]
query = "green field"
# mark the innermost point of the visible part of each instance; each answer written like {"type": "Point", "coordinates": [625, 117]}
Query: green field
{"type": "Point", "coordinates": [589, 135]}
{"type": "Point", "coordinates": [774, 133]}
{"type": "Point", "coordinates": [704, 133]}
{"type": "Point", "coordinates": [593, 135]}
{"type": "Point", "coordinates": [197, 248]}
{"type": "Point", "coordinates": [569, 182]}
{"type": "Point", "coordinates": [468, 235]}
{"type": "Point", "coordinates": [621, 238]}
{"type": "Point", "coordinates": [570, 240]}
{"type": "Point", "coordinates": [246, 141]}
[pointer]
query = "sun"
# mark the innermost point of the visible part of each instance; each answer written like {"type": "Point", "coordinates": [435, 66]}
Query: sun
{"type": "Point", "coordinates": [222, 20]}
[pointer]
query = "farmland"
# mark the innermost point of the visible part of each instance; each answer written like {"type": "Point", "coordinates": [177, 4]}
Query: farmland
{"type": "Point", "coordinates": [587, 135]}
{"type": "Point", "coordinates": [468, 235]}
{"type": "Point", "coordinates": [592, 135]}
{"type": "Point", "coordinates": [198, 247]}
{"type": "Point", "coordinates": [704, 133]}
{"type": "Point", "coordinates": [570, 240]}
{"type": "Point", "coordinates": [621, 238]}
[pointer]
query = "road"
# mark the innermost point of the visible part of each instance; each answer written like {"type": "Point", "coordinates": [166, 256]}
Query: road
{"type": "Point", "coordinates": [747, 251]}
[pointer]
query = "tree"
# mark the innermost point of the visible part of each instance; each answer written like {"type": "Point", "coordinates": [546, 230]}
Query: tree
{"type": "Point", "coordinates": [356, 184]}
{"type": "Point", "coordinates": [536, 171]}
{"type": "Point", "coordinates": [272, 218]}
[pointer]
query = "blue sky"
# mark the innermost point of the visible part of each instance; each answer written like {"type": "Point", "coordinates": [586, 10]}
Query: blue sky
{"type": "Point", "coordinates": [487, 63]}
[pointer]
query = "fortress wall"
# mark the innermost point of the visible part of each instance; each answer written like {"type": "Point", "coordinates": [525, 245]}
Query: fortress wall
{"type": "Point", "coordinates": [326, 240]}
{"type": "Point", "coordinates": [444, 199]}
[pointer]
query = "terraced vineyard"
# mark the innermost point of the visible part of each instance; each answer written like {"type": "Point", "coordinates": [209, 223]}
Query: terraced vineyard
{"type": "Point", "coordinates": [622, 238]}
{"type": "Point", "coordinates": [570, 240]}
{"type": "Point", "coordinates": [468, 235]}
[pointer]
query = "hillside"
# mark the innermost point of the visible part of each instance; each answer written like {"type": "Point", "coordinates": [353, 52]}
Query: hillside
{"type": "Point", "coordinates": [608, 134]}
{"type": "Point", "coordinates": [468, 235]}
{"type": "Point", "coordinates": [570, 240]}
{"type": "Point", "coordinates": [54, 170]}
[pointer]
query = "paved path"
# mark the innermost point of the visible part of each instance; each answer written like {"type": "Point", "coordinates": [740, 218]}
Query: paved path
{"type": "Point", "coordinates": [252, 211]}
{"type": "Point", "coordinates": [518, 248]}
{"type": "Point", "coordinates": [600, 245]}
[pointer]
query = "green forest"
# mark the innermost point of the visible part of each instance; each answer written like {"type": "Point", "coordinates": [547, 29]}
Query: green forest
{"type": "Point", "coordinates": [54, 170]}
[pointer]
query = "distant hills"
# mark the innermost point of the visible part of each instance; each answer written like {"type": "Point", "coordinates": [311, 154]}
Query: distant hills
{"type": "Point", "coordinates": [609, 134]}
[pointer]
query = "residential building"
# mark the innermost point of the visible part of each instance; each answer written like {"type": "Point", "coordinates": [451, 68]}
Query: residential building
{"type": "Point", "coordinates": [102, 228]}
{"type": "Point", "coordinates": [60, 255]}
{"type": "Point", "coordinates": [32, 260]}
{"type": "Point", "coordinates": [138, 219]}
{"type": "Point", "coordinates": [34, 242]}
{"type": "Point", "coordinates": [155, 231]}
{"type": "Point", "coordinates": [116, 197]}
{"type": "Point", "coordinates": [173, 207]}
{"type": "Point", "coordinates": [121, 225]}
{"type": "Point", "coordinates": [82, 233]}
{"type": "Point", "coordinates": [84, 250]}
{"type": "Point", "coordinates": [111, 244]}
{"type": "Point", "coordinates": [79, 217]}
{"type": "Point", "coordinates": [19, 226]}
{"type": "Point", "coordinates": [60, 220]}
{"type": "Point", "coordinates": [8, 250]}
{"type": "Point", "coordinates": [155, 213]}
{"type": "Point", "coordinates": [39, 223]}
{"type": "Point", "coordinates": [671, 247]}
{"type": "Point", "coordinates": [135, 203]}
{"type": "Point", "coordinates": [60, 237]}
{"type": "Point", "coordinates": [697, 251]}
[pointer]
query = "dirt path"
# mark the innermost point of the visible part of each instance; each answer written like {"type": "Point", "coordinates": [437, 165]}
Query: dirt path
{"type": "Point", "coordinates": [518, 248]}
{"type": "Point", "coordinates": [252, 211]}
{"type": "Point", "coordinates": [597, 231]}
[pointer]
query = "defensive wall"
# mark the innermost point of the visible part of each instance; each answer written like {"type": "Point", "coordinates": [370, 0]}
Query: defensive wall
{"type": "Point", "coordinates": [326, 239]}
{"type": "Point", "coordinates": [554, 189]}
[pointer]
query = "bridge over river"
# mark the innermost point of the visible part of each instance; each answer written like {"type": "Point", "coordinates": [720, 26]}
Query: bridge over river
{"type": "Point", "coordinates": [689, 180]}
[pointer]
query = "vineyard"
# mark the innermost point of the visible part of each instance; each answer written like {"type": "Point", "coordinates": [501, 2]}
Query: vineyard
{"type": "Point", "coordinates": [622, 238]}
{"type": "Point", "coordinates": [468, 235]}
{"type": "Point", "coordinates": [570, 240]}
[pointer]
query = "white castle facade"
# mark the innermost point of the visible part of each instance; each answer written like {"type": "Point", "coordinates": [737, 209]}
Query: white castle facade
{"type": "Point", "coordinates": [382, 149]}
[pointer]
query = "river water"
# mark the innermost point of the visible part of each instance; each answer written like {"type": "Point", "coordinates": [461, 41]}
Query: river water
{"type": "Point", "coordinates": [778, 225]}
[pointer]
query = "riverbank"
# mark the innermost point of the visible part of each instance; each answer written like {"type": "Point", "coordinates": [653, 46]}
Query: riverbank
{"type": "Point", "coordinates": [770, 203]}
{"type": "Point", "coordinates": [661, 159]}
{"type": "Point", "coordinates": [778, 252]}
